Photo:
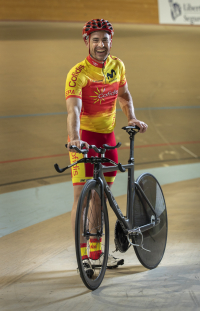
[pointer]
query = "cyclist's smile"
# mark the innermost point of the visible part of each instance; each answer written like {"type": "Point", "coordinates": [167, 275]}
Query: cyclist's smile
{"type": "Point", "coordinates": [101, 52]}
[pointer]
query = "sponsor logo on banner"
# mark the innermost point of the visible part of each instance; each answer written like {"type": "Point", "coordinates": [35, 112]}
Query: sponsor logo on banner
{"type": "Point", "coordinates": [182, 12]}
{"type": "Point", "coordinates": [175, 9]}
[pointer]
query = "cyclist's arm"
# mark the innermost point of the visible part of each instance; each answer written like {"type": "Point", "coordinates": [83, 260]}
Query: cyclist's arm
{"type": "Point", "coordinates": [126, 104]}
{"type": "Point", "coordinates": [74, 105]}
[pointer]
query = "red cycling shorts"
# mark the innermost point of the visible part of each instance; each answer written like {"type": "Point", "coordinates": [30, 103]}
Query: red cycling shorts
{"type": "Point", "coordinates": [84, 171]}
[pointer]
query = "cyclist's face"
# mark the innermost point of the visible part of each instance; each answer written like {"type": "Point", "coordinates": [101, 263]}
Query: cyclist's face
{"type": "Point", "coordinates": [100, 45]}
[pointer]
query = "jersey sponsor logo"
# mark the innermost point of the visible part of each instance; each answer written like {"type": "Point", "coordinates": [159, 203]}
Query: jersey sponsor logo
{"type": "Point", "coordinates": [72, 82]}
{"type": "Point", "coordinates": [76, 167]}
{"type": "Point", "coordinates": [110, 75]}
{"type": "Point", "coordinates": [100, 95]}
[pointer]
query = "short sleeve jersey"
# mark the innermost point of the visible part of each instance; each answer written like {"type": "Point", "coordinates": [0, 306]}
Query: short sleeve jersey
{"type": "Point", "coordinates": [97, 86]}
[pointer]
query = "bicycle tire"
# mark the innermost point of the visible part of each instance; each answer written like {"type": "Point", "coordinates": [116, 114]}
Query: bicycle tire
{"type": "Point", "coordinates": [88, 221]}
{"type": "Point", "coordinates": [154, 239]}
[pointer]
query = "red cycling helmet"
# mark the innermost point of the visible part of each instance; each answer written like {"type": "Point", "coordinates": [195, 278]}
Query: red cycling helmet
{"type": "Point", "coordinates": [97, 25]}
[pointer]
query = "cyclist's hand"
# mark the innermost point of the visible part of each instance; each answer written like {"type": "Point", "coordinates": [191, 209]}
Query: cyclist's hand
{"type": "Point", "coordinates": [142, 125]}
{"type": "Point", "coordinates": [78, 143]}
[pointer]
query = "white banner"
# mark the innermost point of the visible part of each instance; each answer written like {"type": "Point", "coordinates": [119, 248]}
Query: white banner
{"type": "Point", "coordinates": [180, 12]}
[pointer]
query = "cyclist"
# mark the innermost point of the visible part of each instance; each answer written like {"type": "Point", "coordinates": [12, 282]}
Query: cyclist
{"type": "Point", "coordinates": [92, 89]}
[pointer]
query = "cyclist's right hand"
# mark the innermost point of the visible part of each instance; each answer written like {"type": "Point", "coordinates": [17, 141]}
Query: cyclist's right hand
{"type": "Point", "coordinates": [78, 143]}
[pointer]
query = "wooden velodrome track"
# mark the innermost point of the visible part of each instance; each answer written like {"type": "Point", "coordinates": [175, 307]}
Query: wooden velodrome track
{"type": "Point", "coordinates": [38, 264]}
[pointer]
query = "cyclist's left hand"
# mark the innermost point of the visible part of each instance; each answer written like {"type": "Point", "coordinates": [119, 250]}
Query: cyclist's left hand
{"type": "Point", "coordinates": [142, 125]}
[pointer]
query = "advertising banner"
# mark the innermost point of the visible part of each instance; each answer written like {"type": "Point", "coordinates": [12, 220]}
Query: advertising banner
{"type": "Point", "coordinates": [180, 12]}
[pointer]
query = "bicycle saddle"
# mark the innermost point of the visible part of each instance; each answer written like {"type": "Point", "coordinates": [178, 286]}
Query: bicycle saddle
{"type": "Point", "coordinates": [131, 128]}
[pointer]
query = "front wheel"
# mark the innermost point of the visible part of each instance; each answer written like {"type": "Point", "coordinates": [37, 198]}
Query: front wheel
{"type": "Point", "coordinates": [154, 239]}
{"type": "Point", "coordinates": [91, 235]}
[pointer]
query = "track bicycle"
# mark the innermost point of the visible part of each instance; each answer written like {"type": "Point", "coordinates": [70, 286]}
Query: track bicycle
{"type": "Point", "coordinates": [144, 227]}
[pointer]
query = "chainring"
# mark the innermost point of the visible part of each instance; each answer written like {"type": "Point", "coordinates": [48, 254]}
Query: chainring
{"type": "Point", "coordinates": [121, 241]}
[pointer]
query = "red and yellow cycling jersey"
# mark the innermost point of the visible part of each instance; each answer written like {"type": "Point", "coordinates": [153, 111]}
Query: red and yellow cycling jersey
{"type": "Point", "coordinates": [98, 87]}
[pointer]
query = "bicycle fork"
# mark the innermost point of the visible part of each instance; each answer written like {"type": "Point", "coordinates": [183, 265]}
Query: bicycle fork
{"type": "Point", "coordinates": [100, 182]}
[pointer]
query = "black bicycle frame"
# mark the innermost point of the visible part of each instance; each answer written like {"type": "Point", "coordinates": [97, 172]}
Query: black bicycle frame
{"type": "Point", "coordinates": [99, 169]}
{"type": "Point", "coordinates": [132, 187]}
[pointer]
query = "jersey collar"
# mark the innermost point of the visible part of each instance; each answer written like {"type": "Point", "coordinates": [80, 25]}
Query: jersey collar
{"type": "Point", "coordinates": [94, 62]}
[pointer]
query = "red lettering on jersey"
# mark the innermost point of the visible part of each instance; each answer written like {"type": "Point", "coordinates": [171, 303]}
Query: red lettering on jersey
{"type": "Point", "coordinates": [70, 92]}
{"type": "Point", "coordinates": [75, 74]}
{"type": "Point", "coordinates": [72, 85]}
{"type": "Point", "coordinates": [74, 157]}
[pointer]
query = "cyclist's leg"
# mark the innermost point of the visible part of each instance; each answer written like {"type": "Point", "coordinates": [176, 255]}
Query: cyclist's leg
{"type": "Point", "coordinates": [99, 139]}
{"type": "Point", "coordinates": [79, 178]}
{"type": "Point", "coordinates": [95, 213]}
{"type": "Point", "coordinates": [77, 191]}
{"type": "Point", "coordinates": [80, 174]}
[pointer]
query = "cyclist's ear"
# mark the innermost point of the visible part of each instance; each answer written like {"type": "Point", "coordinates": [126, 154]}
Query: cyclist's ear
{"type": "Point", "coordinates": [87, 41]}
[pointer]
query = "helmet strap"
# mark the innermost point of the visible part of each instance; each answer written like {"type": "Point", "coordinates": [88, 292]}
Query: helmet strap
{"type": "Point", "coordinates": [96, 60]}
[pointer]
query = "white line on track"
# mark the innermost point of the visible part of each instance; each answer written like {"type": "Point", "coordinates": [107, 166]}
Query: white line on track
{"type": "Point", "coordinates": [190, 152]}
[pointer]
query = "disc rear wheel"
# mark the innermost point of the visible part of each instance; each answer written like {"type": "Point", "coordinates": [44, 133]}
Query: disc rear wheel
{"type": "Point", "coordinates": [154, 239]}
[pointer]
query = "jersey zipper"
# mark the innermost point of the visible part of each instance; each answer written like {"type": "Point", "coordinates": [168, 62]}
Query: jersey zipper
{"type": "Point", "coordinates": [103, 70]}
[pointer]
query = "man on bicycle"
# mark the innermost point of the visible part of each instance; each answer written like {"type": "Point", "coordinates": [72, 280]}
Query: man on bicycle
{"type": "Point", "coordinates": [92, 89]}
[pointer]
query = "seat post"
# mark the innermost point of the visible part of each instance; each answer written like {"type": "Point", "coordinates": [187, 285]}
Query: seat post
{"type": "Point", "coordinates": [131, 185]}
{"type": "Point", "coordinates": [131, 130]}
{"type": "Point", "coordinates": [131, 136]}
